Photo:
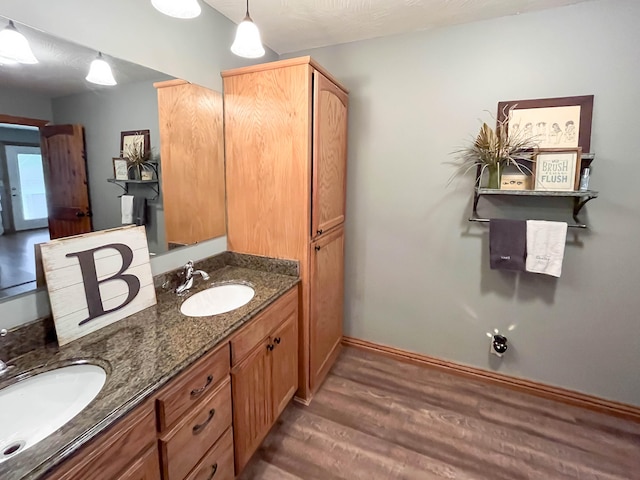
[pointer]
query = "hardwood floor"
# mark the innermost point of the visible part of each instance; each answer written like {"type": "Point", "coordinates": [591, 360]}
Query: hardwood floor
{"type": "Point", "coordinates": [377, 418]}
{"type": "Point", "coordinates": [17, 260]}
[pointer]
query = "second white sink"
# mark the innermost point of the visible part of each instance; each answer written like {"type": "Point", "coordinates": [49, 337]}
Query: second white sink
{"type": "Point", "coordinates": [217, 300]}
{"type": "Point", "coordinates": [34, 408]}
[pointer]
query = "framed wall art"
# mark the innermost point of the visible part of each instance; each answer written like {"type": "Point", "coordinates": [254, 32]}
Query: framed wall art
{"type": "Point", "coordinates": [556, 169]}
{"type": "Point", "coordinates": [563, 122]}
{"type": "Point", "coordinates": [515, 181]}
{"type": "Point", "coordinates": [137, 142]}
{"type": "Point", "coordinates": [120, 169]}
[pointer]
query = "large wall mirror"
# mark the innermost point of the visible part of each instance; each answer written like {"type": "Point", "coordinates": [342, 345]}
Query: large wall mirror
{"type": "Point", "coordinates": [60, 140]}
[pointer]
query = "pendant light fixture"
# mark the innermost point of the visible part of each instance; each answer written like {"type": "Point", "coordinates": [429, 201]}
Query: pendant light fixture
{"type": "Point", "coordinates": [7, 61]}
{"type": "Point", "coordinates": [178, 8]}
{"type": "Point", "coordinates": [100, 72]}
{"type": "Point", "coordinates": [247, 43]}
{"type": "Point", "coordinates": [14, 46]}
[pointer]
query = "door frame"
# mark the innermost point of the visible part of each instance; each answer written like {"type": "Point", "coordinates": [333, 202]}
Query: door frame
{"type": "Point", "coordinates": [8, 222]}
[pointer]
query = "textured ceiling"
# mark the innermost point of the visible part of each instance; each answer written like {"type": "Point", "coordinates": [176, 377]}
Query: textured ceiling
{"type": "Point", "coordinates": [293, 25]}
{"type": "Point", "coordinates": [63, 66]}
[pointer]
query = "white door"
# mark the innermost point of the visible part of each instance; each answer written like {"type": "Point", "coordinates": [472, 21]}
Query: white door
{"type": "Point", "coordinates": [26, 187]}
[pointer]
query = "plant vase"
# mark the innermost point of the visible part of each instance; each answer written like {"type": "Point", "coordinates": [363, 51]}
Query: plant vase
{"type": "Point", "coordinates": [494, 176]}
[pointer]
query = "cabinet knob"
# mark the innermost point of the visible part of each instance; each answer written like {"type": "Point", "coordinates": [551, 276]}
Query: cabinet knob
{"type": "Point", "coordinates": [320, 232]}
{"type": "Point", "coordinates": [270, 347]}
{"type": "Point", "coordinates": [317, 248]}
{"type": "Point", "coordinates": [276, 340]}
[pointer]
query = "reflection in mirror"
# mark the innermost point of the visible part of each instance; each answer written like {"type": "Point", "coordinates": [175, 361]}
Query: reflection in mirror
{"type": "Point", "coordinates": [60, 139]}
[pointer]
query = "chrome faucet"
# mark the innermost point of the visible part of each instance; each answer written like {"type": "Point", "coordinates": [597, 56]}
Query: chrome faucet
{"type": "Point", "coordinates": [3, 366]}
{"type": "Point", "coordinates": [189, 274]}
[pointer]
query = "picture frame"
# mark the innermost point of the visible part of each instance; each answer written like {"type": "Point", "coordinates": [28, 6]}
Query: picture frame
{"type": "Point", "coordinates": [135, 137]}
{"type": "Point", "coordinates": [515, 181]}
{"type": "Point", "coordinates": [120, 168]}
{"type": "Point", "coordinates": [563, 122]}
{"type": "Point", "coordinates": [557, 169]}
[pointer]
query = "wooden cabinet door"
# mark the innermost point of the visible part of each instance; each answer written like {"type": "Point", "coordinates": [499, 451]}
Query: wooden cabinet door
{"type": "Point", "coordinates": [327, 300]}
{"type": "Point", "coordinates": [284, 363]}
{"type": "Point", "coordinates": [192, 161]}
{"type": "Point", "coordinates": [329, 155]}
{"type": "Point", "coordinates": [147, 467]}
{"type": "Point", "coordinates": [252, 410]}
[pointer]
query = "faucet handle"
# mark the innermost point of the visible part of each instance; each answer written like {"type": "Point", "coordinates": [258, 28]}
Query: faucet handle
{"type": "Point", "coordinates": [188, 269]}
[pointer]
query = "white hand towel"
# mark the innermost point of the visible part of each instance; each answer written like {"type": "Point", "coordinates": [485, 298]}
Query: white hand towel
{"type": "Point", "coordinates": [545, 246]}
{"type": "Point", "coordinates": [126, 202]}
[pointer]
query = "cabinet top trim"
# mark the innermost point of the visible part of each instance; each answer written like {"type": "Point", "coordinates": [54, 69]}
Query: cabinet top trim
{"type": "Point", "coordinates": [170, 83]}
{"type": "Point", "coordinates": [291, 62]}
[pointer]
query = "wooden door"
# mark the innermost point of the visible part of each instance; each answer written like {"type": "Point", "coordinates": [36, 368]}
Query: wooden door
{"type": "Point", "coordinates": [65, 173]}
{"type": "Point", "coordinates": [329, 155]}
{"type": "Point", "coordinates": [284, 363]}
{"type": "Point", "coordinates": [252, 410]}
{"type": "Point", "coordinates": [327, 300]}
{"type": "Point", "coordinates": [147, 467]}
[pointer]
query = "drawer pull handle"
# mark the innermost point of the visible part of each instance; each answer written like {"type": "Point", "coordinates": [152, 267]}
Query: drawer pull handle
{"type": "Point", "coordinates": [270, 347]}
{"type": "Point", "coordinates": [277, 340]}
{"type": "Point", "coordinates": [320, 232]}
{"type": "Point", "coordinates": [214, 469]}
{"type": "Point", "coordinates": [199, 428]}
{"type": "Point", "coordinates": [198, 391]}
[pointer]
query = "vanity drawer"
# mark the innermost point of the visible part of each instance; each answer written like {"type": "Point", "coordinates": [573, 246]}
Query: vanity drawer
{"type": "Point", "coordinates": [217, 464]}
{"type": "Point", "coordinates": [253, 333]}
{"type": "Point", "coordinates": [184, 446]}
{"type": "Point", "coordinates": [114, 451]}
{"type": "Point", "coordinates": [192, 386]}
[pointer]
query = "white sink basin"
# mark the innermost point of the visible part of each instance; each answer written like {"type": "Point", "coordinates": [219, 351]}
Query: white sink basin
{"type": "Point", "coordinates": [217, 300]}
{"type": "Point", "coordinates": [34, 408]}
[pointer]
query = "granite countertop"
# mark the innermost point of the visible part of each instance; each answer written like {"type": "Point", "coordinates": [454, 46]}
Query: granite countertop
{"type": "Point", "coordinates": [143, 352]}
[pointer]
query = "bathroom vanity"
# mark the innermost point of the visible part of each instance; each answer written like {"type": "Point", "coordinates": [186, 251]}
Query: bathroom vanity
{"type": "Point", "coordinates": [177, 384]}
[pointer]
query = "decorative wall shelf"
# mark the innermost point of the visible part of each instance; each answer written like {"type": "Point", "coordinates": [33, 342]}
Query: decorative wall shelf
{"type": "Point", "coordinates": [124, 184]}
{"type": "Point", "coordinates": [580, 198]}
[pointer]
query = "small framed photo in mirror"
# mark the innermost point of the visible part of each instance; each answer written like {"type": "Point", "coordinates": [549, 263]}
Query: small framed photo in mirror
{"type": "Point", "coordinates": [136, 143]}
{"type": "Point", "coordinates": [120, 169]}
{"type": "Point", "coordinates": [515, 181]}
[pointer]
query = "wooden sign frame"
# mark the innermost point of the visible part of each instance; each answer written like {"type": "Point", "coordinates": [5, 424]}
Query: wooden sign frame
{"type": "Point", "coordinates": [97, 279]}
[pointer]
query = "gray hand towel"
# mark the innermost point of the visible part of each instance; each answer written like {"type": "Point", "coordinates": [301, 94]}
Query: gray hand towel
{"type": "Point", "coordinates": [507, 244]}
{"type": "Point", "coordinates": [139, 210]}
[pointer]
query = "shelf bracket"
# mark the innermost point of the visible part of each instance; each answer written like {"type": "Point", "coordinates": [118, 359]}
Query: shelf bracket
{"type": "Point", "coordinates": [123, 187]}
{"type": "Point", "coordinates": [578, 203]}
{"type": "Point", "coordinates": [476, 199]}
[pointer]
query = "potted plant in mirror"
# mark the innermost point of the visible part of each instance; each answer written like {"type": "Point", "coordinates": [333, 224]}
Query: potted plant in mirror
{"type": "Point", "coordinates": [140, 167]}
{"type": "Point", "coordinates": [493, 150]}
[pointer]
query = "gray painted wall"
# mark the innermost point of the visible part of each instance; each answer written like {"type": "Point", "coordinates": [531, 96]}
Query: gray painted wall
{"type": "Point", "coordinates": [25, 104]}
{"type": "Point", "coordinates": [417, 274]}
{"type": "Point", "coordinates": [105, 113]}
{"type": "Point", "coordinates": [195, 50]}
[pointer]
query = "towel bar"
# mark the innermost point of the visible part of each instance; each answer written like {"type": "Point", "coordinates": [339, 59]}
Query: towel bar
{"type": "Point", "coordinates": [486, 220]}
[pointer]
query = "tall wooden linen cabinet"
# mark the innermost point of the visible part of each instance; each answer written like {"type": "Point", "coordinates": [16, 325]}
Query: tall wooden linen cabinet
{"type": "Point", "coordinates": [286, 152]}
